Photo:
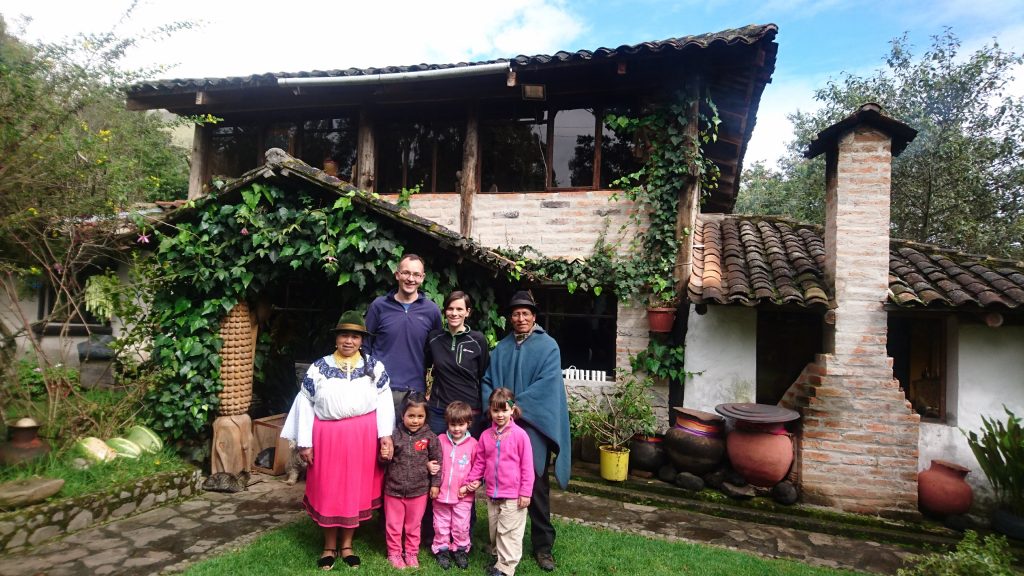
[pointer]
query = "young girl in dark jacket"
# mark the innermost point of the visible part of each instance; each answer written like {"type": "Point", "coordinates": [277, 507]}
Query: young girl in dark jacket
{"type": "Point", "coordinates": [408, 481]}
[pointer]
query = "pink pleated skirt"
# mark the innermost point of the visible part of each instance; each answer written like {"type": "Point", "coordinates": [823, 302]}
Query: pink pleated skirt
{"type": "Point", "coordinates": [345, 481]}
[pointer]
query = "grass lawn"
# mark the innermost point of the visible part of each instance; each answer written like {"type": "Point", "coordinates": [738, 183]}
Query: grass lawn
{"type": "Point", "coordinates": [580, 551]}
{"type": "Point", "coordinates": [98, 476]}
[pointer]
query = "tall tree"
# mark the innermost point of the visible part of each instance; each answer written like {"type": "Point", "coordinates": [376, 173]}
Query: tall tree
{"type": "Point", "coordinates": [961, 182]}
{"type": "Point", "coordinates": [72, 161]}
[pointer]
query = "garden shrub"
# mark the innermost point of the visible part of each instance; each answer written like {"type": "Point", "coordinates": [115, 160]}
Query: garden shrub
{"type": "Point", "coordinates": [989, 556]}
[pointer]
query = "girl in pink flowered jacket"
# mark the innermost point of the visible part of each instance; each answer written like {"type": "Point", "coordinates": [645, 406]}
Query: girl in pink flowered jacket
{"type": "Point", "coordinates": [453, 505]}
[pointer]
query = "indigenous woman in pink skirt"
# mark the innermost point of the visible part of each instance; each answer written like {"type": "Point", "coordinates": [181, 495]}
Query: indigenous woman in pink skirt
{"type": "Point", "coordinates": [341, 421]}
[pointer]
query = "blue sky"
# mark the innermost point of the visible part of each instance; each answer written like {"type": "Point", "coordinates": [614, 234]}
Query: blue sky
{"type": "Point", "coordinates": [818, 39]}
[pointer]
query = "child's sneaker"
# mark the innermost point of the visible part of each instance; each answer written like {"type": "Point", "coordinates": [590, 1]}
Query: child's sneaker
{"type": "Point", "coordinates": [412, 560]}
{"type": "Point", "coordinates": [444, 559]}
{"type": "Point", "coordinates": [396, 561]}
{"type": "Point", "coordinates": [461, 559]}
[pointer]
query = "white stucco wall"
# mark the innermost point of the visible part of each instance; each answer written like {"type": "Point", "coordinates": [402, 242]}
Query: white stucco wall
{"type": "Point", "coordinates": [989, 373]}
{"type": "Point", "coordinates": [722, 346]}
{"type": "Point", "coordinates": [16, 314]}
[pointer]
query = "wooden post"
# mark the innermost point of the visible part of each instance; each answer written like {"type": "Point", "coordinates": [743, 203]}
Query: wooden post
{"type": "Point", "coordinates": [469, 181]}
{"type": "Point", "coordinates": [365, 161]}
{"type": "Point", "coordinates": [198, 173]}
{"type": "Point", "coordinates": [689, 194]}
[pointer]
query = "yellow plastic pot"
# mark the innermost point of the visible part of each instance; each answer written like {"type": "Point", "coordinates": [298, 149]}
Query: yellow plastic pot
{"type": "Point", "coordinates": [614, 463]}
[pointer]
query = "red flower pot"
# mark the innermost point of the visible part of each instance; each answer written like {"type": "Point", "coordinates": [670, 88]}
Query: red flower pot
{"type": "Point", "coordinates": [942, 490]}
{"type": "Point", "coordinates": [661, 319]}
{"type": "Point", "coordinates": [762, 458]}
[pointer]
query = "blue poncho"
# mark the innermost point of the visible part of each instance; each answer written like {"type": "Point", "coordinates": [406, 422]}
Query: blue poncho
{"type": "Point", "coordinates": [533, 371]}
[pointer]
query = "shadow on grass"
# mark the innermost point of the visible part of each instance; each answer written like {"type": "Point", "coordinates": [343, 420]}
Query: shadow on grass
{"type": "Point", "coordinates": [580, 551]}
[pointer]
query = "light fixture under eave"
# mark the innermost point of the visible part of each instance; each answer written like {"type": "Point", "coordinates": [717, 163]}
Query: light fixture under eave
{"type": "Point", "coordinates": [534, 92]}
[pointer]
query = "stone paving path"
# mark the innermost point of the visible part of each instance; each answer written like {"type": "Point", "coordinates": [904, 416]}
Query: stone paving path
{"type": "Point", "coordinates": [811, 548]}
{"type": "Point", "coordinates": [168, 539]}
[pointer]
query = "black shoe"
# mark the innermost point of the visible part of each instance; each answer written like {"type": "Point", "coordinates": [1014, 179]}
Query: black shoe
{"type": "Point", "coordinates": [461, 559]}
{"type": "Point", "coordinates": [444, 559]}
{"type": "Point", "coordinates": [545, 560]}
{"type": "Point", "coordinates": [492, 571]}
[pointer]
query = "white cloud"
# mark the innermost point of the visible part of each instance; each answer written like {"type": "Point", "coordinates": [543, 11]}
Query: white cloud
{"type": "Point", "coordinates": [773, 130]}
{"type": "Point", "coordinates": [320, 34]}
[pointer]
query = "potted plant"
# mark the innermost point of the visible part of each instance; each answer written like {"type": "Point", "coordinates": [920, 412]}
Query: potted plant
{"type": "Point", "coordinates": [613, 416]}
{"type": "Point", "coordinates": [662, 304]}
{"type": "Point", "coordinates": [1000, 453]}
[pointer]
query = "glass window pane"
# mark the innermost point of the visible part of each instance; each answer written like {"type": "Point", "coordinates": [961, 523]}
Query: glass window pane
{"type": "Point", "coordinates": [330, 139]}
{"type": "Point", "coordinates": [428, 155]}
{"type": "Point", "coordinates": [583, 325]}
{"type": "Point", "coordinates": [233, 150]}
{"type": "Point", "coordinates": [448, 156]}
{"type": "Point", "coordinates": [572, 152]}
{"type": "Point", "coordinates": [618, 153]}
{"type": "Point", "coordinates": [512, 156]}
{"type": "Point", "coordinates": [281, 135]}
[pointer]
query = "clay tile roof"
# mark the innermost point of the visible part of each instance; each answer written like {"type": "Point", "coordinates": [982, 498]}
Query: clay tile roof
{"type": "Point", "coordinates": [936, 277]}
{"type": "Point", "coordinates": [767, 260]}
{"type": "Point", "coordinates": [753, 260]}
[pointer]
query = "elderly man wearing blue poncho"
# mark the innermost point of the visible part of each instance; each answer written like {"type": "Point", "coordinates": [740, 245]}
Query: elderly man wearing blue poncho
{"type": "Point", "coordinates": [529, 363]}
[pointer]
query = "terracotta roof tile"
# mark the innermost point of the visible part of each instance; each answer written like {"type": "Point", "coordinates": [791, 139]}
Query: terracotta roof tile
{"type": "Point", "coordinates": [775, 261]}
{"type": "Point", "coordinates": [747, 35]}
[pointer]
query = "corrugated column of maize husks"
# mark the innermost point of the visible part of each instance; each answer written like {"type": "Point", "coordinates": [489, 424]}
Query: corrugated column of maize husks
{"type": "Point", "coordinates": [236, 366]}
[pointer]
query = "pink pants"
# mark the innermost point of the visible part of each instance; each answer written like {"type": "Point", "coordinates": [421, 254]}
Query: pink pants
{"type": "Point", "coordinates": [403, 514]}
{"type": "Point", "coordinates": [451, 526]}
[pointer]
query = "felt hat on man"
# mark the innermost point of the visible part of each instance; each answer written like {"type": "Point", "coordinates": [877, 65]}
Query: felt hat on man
{"type": "Point", "coordinates": [351, 321]}
{"type": "Point", "coordinates": [522, 299]}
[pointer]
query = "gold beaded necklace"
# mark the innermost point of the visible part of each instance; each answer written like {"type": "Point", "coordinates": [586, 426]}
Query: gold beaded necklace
{"type": "Point", "coordinates": [346, 363]}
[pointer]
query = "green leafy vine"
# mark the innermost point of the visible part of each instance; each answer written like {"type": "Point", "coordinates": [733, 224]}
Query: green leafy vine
{"type": "Point", "coordinates": [233, 251]}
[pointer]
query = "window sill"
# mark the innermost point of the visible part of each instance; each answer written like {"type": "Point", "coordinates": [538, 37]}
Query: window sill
{"type": "Point", "coordinates": [57, 328]}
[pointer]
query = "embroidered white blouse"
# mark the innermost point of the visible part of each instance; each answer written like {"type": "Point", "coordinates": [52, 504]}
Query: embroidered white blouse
{"type": "Point", "coordinates": [330, 392]}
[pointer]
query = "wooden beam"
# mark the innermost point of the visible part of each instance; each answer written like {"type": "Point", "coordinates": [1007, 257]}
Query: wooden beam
{"type": "Point", "coordinates": [469, 182]}
{"type": "Point", "coordinates": [365, 152]}
{"type": "Point", "coordinates": [689, 195]}
{"type": "Point", "coordinates": [199, 171]}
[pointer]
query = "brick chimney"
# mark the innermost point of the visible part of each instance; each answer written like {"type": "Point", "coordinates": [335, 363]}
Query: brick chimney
{"type": "Point", "coordinates": [858, 442]}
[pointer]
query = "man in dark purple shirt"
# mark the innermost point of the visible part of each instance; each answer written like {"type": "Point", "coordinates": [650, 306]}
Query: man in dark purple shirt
{"type": "Point", "coordinates": [400, 321]}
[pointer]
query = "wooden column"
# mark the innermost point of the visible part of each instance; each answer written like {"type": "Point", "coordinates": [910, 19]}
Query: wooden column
{"type": "Point", "coordinates": [689, 194]}
{"type": "Point", "coordinates": [366, 149]}
{"type": "Point", "coordinates": [198, 174]}
{"type": "Point", "coordinates": [469, 182]}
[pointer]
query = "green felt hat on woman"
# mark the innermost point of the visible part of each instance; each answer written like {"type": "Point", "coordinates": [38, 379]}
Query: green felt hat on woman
{"type": "Point", "coordinates": [351, 321]}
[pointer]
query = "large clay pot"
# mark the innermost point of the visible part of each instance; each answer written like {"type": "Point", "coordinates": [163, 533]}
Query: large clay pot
{"type": "Point", "coordinates": [646, 453]}
{"type": "Point", "coordinates": [762, 457]}
{"type": "Point", "coordinates": [942, 490]}
{"type": "Point", "coordinates": [614, 463]}
{"type": "Point", "coordinates": [695, 444]}
{"type": "Point", "coordinates": [25, 443]}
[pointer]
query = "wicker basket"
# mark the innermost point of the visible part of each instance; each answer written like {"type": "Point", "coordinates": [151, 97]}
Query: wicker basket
{"type": "Point", "coordinates": [236, 365]}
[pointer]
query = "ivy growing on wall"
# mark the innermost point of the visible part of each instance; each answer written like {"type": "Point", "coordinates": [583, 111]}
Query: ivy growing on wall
{"type": "Point", "coordinates": [233, 251]}
{"type": "Point", "coordinates": [672, 156]}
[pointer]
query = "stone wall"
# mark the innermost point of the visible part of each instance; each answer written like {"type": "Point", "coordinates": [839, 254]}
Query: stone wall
{"type": "Point", "coordinates": [558, 224]}
{"type": "Point", "coordinates": [33, 525]}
